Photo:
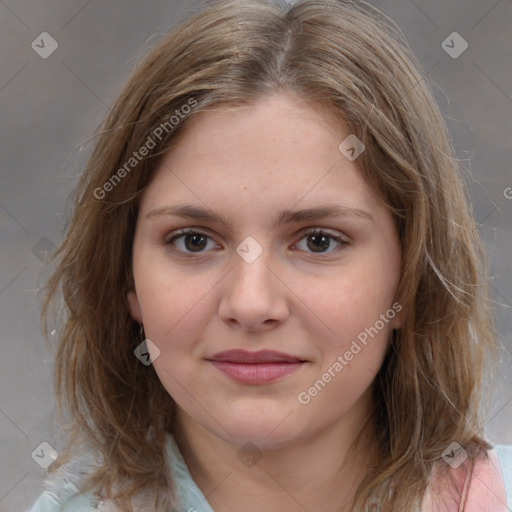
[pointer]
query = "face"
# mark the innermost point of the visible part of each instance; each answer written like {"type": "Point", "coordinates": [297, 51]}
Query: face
{"type": "Point", "coordinates": [265, 273]}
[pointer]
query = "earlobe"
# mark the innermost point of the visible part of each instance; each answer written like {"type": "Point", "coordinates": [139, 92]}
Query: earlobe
{"type": "Point", "coordinates": [133, 302]}
{"type": "Point", "coordinates": [397, 321]}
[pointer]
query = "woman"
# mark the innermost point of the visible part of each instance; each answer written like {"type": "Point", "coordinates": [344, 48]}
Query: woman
{"type": "Point", "coordinates": [273, 282]}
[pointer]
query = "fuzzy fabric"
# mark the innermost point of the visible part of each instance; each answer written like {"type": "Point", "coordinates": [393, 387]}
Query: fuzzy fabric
{"type": "Point", "coordinates": [72, 472]}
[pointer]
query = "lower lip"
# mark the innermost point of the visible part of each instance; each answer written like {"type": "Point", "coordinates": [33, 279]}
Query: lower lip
{"type": "Point", "coordinates": [256, 373]}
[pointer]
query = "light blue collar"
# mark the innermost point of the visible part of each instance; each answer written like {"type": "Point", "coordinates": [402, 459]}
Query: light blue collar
{"type": "Point", "coordinates": [191, 497]}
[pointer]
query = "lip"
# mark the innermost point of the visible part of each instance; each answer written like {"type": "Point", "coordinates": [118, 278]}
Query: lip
{"type": "Point", "coordinates": [262, 356]}
{"type": "Point", "coordinates": [255, 367]}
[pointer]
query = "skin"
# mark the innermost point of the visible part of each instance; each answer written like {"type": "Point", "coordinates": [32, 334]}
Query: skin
{"type": "Point", "coordinates": [246, 165]}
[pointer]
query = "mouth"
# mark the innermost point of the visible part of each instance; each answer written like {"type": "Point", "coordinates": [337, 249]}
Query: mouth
{"type": "Point", "coordinates": [255, 367]}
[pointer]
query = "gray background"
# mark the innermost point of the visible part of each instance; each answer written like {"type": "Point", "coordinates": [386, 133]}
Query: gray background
{"type": "Point", "coordinates": [50, 107]}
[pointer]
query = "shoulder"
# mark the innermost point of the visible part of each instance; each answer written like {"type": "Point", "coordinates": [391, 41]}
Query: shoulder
{"type": "Point", "coordinates": [486, 490]}
{"type": "Point", "coordinates": [482, 489]}
{"type": "Point", "coordinates": [67, 500]}
{"type": "Point", "coordinates": [62, 488]}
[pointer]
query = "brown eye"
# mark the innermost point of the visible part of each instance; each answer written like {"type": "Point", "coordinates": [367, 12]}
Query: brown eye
{"type": "Point", "coordinates": [318, 243]}
{"type": "Point", "coordinates": [321, 242]}
{"type": "Point", "coordinates": [189, 241]}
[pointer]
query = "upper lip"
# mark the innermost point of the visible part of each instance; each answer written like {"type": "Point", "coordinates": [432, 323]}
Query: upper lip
{"type": "Point", "coordinates": [262, 356]}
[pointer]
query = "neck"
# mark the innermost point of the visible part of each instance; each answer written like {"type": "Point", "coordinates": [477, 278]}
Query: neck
{"type": "Point", "coordinates": [320, 472]}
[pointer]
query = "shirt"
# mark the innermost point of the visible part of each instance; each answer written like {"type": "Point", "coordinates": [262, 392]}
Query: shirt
{"type": "Point", "coordinates": [62, 494]}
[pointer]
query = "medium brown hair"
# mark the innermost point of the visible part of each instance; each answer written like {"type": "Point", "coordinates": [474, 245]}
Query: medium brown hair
{"type": "Point", "coordinates": [353, 59]}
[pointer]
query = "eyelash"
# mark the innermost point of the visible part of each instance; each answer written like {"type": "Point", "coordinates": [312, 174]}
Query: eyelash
{"type": "Point", "coordinates": [309, 232]}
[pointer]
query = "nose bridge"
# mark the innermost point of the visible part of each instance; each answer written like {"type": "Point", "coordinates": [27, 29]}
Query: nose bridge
{"type": "Point", "coordinates": [252, 264]}
{"type": "Point", "coordinates": [252, 294]}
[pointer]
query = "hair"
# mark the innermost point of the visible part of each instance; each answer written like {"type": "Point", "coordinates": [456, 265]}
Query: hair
{"type": "Point", "coordinates": [353, 59]}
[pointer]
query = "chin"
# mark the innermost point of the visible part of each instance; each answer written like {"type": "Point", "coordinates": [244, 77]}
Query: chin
{"type": "Point", "coordinates": [263, 428]}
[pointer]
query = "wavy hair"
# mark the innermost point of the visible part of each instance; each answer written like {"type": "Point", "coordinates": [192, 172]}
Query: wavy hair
{"type": "Point", "coordinates": [352, 58]}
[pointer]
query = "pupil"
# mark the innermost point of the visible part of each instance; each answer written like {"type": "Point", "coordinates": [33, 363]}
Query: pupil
{"type": "Point", "coordinates": [323, 242]}
{"type": "Point", "coordinates": [197, 242]}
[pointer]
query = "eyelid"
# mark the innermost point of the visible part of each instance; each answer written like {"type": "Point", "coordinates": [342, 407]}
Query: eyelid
{"type": "Point", "coordinates": [185, 231]}
{"type": "Point", "coordinates": [325, 231]}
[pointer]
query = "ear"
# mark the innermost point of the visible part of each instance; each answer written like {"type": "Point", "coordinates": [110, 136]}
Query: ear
{"type": "Point", "coordinates": [135, 310]}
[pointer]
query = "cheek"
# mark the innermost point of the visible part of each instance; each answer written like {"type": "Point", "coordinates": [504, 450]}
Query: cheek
{"type": "Point", "coordinates": [349, 302]}
{"type": "Point", "coordinates": [174, 301]}
{"type": "Point", "coordinates": [353, 350]}
{"type": "Point", "coordinates": [175, 316]}
{"type": "Point", "coordinates": [356, 312]}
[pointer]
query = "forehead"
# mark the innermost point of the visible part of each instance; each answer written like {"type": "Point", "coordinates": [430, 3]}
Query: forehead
{"type": "Point", "coordinates": [277, 152]}
{"type": "Point", "coordinates": [267, 127]}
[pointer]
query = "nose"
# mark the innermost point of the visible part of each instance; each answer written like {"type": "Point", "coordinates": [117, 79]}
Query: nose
{"type": "Point", "coordinates": [254, 298]}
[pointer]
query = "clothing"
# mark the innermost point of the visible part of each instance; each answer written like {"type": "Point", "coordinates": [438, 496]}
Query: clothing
{"type": "Point", "coordinates": [62, 493]}
{"type": "Point", "coordinates": [505, 455]}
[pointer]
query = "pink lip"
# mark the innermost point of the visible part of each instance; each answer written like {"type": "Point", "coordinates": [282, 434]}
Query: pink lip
{"type": "Point", "coordinates": [255, 367]}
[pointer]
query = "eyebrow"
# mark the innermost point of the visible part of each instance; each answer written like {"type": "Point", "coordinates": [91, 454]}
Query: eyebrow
{"type": "Point", "coordinates": [199, 213]}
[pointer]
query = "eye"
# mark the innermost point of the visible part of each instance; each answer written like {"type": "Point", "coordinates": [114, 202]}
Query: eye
{"type": "Point", "coordinates": [189, 241]}
{"type": "Point", "coordinates": [319, 241]}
